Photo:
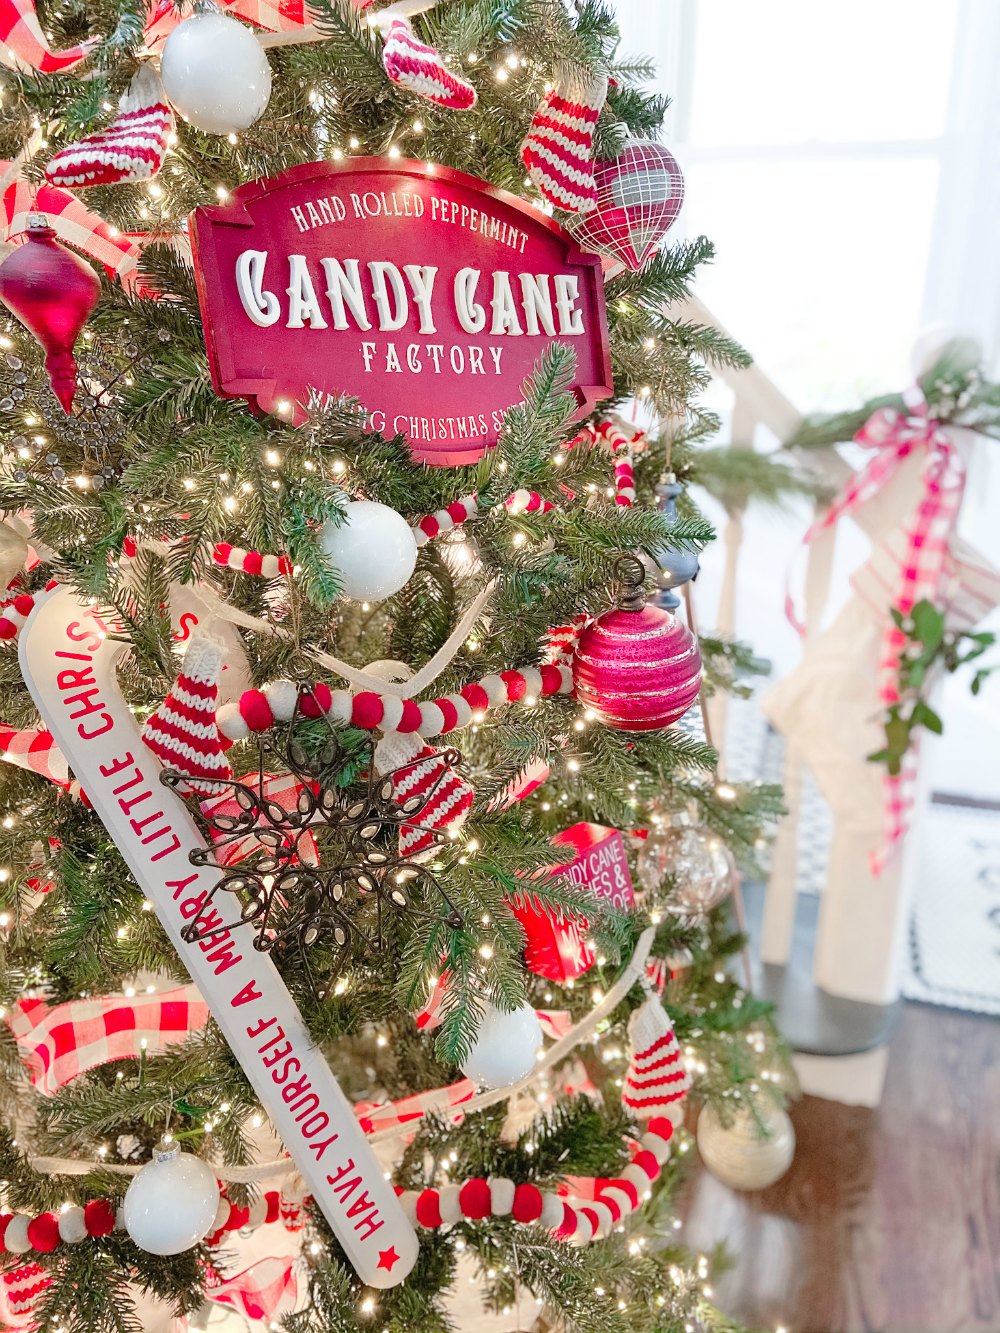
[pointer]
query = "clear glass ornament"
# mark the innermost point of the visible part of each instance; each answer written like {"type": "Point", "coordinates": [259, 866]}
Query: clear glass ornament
{"type": "Point", "coordinates": [693, 863]}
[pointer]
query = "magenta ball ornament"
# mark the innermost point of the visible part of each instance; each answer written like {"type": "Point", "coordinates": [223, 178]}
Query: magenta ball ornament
{"type": "Point", "coordinates": [637, 666]}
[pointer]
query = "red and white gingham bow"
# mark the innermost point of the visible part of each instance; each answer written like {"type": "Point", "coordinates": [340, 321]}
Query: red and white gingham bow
{"type": "Point", "coordinates": [72, 222]}
{"type": "Point", "coordinates": [921, 570]}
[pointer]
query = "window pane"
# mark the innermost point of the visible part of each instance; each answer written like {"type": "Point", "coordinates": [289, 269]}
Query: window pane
{"type": "Point", "coordinates": [784, 71]}
{"type": "Point", "coordinates": [820, 267]}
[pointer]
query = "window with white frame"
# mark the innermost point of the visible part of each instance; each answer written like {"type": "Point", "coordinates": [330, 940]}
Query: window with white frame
{"type": "Point", "coordinates": [815, 139]}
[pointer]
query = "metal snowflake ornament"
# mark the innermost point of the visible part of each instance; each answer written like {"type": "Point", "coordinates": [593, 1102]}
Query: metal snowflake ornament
{"type": "Point", "coordinates": [87, 445]}
{"type": "Point", "coordinates": [308, 847]}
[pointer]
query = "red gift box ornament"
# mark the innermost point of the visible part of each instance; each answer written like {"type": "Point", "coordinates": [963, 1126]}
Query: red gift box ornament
{"type": "Point", "coordinates": [557, 948]}
{"type": "Point", "coordinates": [52, 292]}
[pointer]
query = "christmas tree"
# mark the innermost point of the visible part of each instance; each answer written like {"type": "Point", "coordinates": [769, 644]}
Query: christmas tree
{"type": "Point", "coordinates": [348, 404]}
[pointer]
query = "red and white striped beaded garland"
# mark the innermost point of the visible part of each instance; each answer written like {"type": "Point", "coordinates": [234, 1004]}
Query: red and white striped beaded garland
{"type": "Point", "coordinates": [607, 432]}
{"type": "Point", "coordinates": [13, 614]}
{"type": "Point", "coordinates": [568, 1216]}
{"type": "Point", "coordinates": [587, 1210]}
{"type": "Point", "coordinates": [445, 520]}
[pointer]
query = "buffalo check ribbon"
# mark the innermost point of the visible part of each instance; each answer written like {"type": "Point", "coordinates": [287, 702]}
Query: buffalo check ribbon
{"type": "Point", "coordinates": [23, 45]}
{"type": "Point", "coordinates": [59, 1042]}
{"type": "Point", "coordinates": [921, 571]}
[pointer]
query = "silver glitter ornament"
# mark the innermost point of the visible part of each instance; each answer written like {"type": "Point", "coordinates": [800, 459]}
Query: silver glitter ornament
{"type": "Point", "coordinates": [696, 862]}
{"type": "Point", "coordinates": [748, 1153]}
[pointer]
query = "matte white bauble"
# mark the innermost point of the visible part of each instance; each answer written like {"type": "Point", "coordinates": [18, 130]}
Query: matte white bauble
{"type": "Point", "coordinates": [374, 549]}
{"type": "Point", "coordinates": [171, 1204]}
{"type": "Point", "coordinates": [505, 1048]}
{"type": "Point", "coordinates": [215, 73]}
{"type": "Point", "coordinates": [740, 1154]}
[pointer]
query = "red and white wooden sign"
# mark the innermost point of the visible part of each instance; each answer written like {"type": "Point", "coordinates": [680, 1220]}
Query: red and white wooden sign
{"type": "Point", "coordinates": [425, 293]}
{"type": "Point", "coordinates": [68, 662]}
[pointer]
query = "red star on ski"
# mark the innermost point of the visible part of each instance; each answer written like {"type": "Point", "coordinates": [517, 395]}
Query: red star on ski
{"type": "Point", "coordinates": [386, 1258]}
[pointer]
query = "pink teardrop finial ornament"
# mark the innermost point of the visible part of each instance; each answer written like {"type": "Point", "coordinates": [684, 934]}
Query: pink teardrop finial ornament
{"type": "Point", "coordinates": [52, 292]}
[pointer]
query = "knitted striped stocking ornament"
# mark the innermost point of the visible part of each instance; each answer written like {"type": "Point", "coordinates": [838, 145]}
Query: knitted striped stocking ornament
{"type": "Point", "coordinates": [418, 769]}
{"type": "Point", "coordinates": [130, 149]}
{"type": "Point", "coordinates": [657, 1079]}
{"type": "Point", "coordinates": [182, 732]}
{"type": "Point", "coordinates": [557, 147]}
{"type": "Point", "coordinates": [421, 70]}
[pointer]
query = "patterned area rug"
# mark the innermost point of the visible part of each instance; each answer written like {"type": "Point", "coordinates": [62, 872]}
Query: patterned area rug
{"type": "Point", "coordinates": [954, 935]}
{"type": "Point", "coordinates": [954, 945]}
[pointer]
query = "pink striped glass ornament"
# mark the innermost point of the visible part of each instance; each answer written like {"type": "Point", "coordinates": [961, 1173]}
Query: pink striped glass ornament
{"type": "Point", "coordinates": [637, 666]}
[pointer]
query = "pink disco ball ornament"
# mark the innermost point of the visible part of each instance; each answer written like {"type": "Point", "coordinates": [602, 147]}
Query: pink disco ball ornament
{"type": "Point", "coordinates": [637, 667]}
{"type": "Point", "coordinates": [639, 195]}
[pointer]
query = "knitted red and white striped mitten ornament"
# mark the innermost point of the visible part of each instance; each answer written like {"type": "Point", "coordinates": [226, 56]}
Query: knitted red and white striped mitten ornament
{"type": "Point", "coordinates": [182, 732]}
{"type": "Point", "coordinates": [421, 70]}
{"type": "Point", "coordinates": [557, 147]}
{"type": "Point", "coordinates": [656, 1078]}
{"type": "Point", "coordinates": [418, 770]}
{"type": "Point", "coordinates": [131, 148]}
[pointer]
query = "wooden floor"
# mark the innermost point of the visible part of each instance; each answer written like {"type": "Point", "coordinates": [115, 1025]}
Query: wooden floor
{"type": "Point", "coordinates": [889, 1220]}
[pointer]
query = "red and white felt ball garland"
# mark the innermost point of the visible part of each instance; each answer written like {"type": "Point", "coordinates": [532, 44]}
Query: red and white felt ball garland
{"type": "Point", "coordinates": [259, 710]}
{"type": "Point", "coordinates": [14, 613]}
{"type": "Point", "coordinates": [46, 1231]}
{"type": "Point", "coordinates": [251, 562]}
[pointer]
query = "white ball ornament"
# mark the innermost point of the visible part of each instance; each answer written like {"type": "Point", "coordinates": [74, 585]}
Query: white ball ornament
{"type": "Point", "coordinates": [740, 1154]}
{"type": "Point", "coordinates": [171, 1204]}
{"type": "Point", "coordinates": [215, 73]}
{"type": "Point", "coordinates": [373, 548]}
{"type": "Point", "coordinates": [505, 1048]}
